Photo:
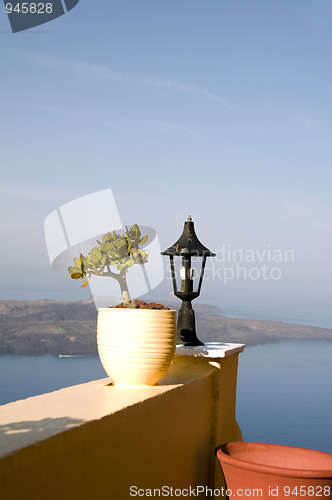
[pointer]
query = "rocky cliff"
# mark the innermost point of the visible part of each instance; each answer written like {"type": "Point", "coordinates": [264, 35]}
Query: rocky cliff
{"type": "Point", "coordinates": [51, 327]}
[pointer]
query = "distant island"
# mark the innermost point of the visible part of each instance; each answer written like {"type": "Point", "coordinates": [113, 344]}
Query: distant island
{"type": "Point", "coordinates": [53, 327]}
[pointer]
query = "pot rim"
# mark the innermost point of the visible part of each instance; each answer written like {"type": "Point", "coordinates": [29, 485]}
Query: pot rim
{"type": "Point", "coordinates": [223, 457]}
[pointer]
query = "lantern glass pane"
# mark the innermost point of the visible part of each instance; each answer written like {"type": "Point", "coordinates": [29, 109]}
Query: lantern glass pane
{"type": "Point", "coordinates": [196, 265]}
{"type": "Point", "coordinates": [177, 263]}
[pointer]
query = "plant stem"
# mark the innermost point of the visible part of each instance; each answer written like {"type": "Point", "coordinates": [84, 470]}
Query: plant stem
{"type": "Point", "coordinates": [124, 289]}
{"type": "Point", "coordinates": [120, 278]}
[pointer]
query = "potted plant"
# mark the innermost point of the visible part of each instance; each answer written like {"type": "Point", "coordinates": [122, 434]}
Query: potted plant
{"type": "Point", "coordinates": [273, 470]}
{"type": "Point", "coordinates": [136, 341]}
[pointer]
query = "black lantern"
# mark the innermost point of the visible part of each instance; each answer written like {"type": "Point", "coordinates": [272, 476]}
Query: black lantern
{"type": "Point", "coordinates": [187, 246]}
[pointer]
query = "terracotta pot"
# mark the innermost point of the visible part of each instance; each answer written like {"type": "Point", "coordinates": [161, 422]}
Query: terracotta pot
{"type": "Point", "coordinates": [275, 471]}
{"type": "Point", "coordinates": [136, 346]}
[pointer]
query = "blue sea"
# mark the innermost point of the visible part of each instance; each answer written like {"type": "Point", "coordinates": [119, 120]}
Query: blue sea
{"type": "Point", "coordinates": [284, 394]}
{"type": "Point", "coordinates": [284, 390]}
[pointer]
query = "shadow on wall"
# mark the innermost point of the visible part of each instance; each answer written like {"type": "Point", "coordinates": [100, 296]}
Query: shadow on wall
{"type": "Point", "coordinates": [20, 434]}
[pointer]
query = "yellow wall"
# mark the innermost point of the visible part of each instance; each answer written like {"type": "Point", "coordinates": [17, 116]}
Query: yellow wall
{"type": "Point", "coordinates": [165, 436]}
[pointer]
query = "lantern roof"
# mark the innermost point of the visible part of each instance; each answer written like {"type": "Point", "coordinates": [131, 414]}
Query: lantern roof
{"type": "Point", "coordinates": [188, 243]}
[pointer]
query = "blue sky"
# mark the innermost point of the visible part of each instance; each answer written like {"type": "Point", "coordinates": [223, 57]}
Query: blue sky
{"type": "Point", "coordinates": [217, 109]}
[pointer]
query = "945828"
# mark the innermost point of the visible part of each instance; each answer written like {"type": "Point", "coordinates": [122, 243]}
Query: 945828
{"type": "Point", "coordinates": [29, 8]}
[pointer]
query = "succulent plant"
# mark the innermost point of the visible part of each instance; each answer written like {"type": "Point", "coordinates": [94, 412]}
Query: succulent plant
{"type": "Point", "coordinates": [119, 250]}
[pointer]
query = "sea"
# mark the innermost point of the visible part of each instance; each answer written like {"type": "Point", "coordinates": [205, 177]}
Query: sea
{"type": "Point", "coordinates": [284, 390]}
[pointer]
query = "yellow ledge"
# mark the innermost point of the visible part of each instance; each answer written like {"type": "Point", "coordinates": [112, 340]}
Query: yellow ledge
{"type": "Point", "coordinates": [95, 441]}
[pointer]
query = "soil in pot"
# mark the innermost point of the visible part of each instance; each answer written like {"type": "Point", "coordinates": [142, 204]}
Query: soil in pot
{"type": "Point", "coordinates": [140, 304]}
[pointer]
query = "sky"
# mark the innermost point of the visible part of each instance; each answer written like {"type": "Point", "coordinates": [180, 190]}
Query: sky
{"type": "Point", "coordinates": [217, 109]}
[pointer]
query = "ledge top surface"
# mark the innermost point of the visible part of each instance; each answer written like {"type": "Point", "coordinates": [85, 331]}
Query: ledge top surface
{"type": "Point", "coordinates": [211, 350]}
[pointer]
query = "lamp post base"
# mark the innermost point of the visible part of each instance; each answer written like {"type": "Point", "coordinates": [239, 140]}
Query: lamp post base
{"type": "Point", "coordinates": [186, 330]}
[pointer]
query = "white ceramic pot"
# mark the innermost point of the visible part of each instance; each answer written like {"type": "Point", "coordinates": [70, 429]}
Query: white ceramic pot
{"type": "Point", "coordinates": [136, 346]}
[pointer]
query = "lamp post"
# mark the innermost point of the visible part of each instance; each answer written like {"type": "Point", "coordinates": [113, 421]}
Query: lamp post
{"type": "Point", "coordinates": [187, 246]}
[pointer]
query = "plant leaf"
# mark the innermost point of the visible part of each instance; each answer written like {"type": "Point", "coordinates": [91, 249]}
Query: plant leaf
{"type": "Point", "coordinates": [76, 276]}
{"type": "Point", "coordinates": [86, 283]}
{"type": "Point", "coordinates": [143, 240]}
